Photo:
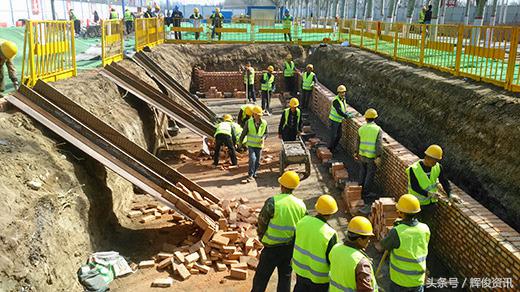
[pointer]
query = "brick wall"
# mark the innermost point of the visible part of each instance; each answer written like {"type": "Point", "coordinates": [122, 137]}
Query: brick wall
{"type": "Point", "coordinates": [471, 240]}
{"type": "Point", "coordinates": [228, 81]}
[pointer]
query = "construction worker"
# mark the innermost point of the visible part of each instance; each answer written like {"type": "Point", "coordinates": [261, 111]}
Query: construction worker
{"type": "Point", "coordinates": [157, 10]}
{"type": "Point", "coordinates": [77, 22]}
{"type": "Point", "coordinates": [249, 82]}
{"type": "Point", "coordinates": [290, 125]}
{"type": "Point", "coordinates": [308, 80]}
{"type": "Point", "coordinates": [422, 14]}
{"type": "Point", "coordinates": [276, 224]}
{"type": "Point", "coordinates": [369, 147]}
{"type": "Point", "coordinates": [176, 19]}
{"type": "Point", "coordinates": [149, 13]}
{"type": "Point", "coordinates": [8, 51]}
{"type": "Point", "coordinates": [266, 88]}
{"type": "Point", "coordinates": [129, 20]}
{"type": "Point", "coordinates": [196, 17]}
{"type": "Point", "coordinates": [216, 22]}
{"type": "Point", "coordinates": [314, 241]}
{"type": "Point", "coordinates": [225, 135]}
{"type": "Point", "coordinates": [407, 243]}
{"type": "Point", "coordinates": [288, 75]}
{"type": "Point", "coordinates": [113, 14]}
{"type": "Point", "coordinates": [338, 113]}
{"type": "Point", "coordinates": [246, 111]}
{"type": "Point", "coordinates": [255, 131]}
{"type": "Point", "coordinates": [287, 24]}
{"type": "Point", "coordinates": [350, 267]}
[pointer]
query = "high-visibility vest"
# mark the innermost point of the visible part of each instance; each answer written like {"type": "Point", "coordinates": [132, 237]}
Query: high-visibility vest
{"type": "Point", "coordinates": [367, 139]}
{"type": "Point", "coordinates": [238, 130]}
{"type": "Point", "coordinates": [114, 15]}
{"type": "Point", "coordinates": [427, 181]}
{"type": "Point", "coordinates": [223, 128]}
{"type": "Point", "coordinates": [243, 109]}
{"type": "Point", "coordinates": [286, 114]}
{"type": "Point", "coordinates": [308, 80]}
{"type": "Point", "coordinates": [268, 84]}
{"type": "Point", "coordinates": [343, 262]}
{"type": "Point", "coordinates": [128, 16]}
{"type": "Point", "coordinates": [288, 71]}
{"type": "Point", "coordinates": [310, 247]}
{"type": "Point", "coordinates": [408, 262]}
{"type": "Point", "coordinates": [72, 17]}
{"type": "Point", "coordinates": [255, 139]}
{"type": "Point", "coordinates": [333, 115]}
{"type": "Point", "coordinates": [251, 76]}
{"type": "Point", "coordinates": [288, 210]}
{"type": "Point", "coordinates": [287, 22]}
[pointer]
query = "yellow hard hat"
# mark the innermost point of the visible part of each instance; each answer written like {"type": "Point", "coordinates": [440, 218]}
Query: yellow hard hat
{"type": "Point", "coordinates": [408, 204]}
{"type": "Point", "coordinates": [196, 10]}
{"type": "Point", "coordinates": [227, 118]}
{"type": "Point", "coordinates": [289, 57]}
{"type": "Point", "coordinates": [371, 113]}
{"type": "Point", "coordinates": [326, 205]}
{"type": "Point", "coordinates": [217, 9]}
{"type": "Point", "coordinates": [310, 66]}
{"type": "Point", "coordinates": [258, 110]}
{"type": "Point", "coordinates": [434, 151]}
{"type": "Point", "coordinates": [8, 49]}
{"type": "Point", "coordinates": [249, 110]}
{"type": "Point", "coordinates": [294, 102]}
{"type": "Point", "coordinates": [289, 179]}
{"type": "Point", "coordinates": [360, 225]}
{"type": "Point", "coordinates": [342, 88]}
{"type": "Point", "coordinates": [270, 68]}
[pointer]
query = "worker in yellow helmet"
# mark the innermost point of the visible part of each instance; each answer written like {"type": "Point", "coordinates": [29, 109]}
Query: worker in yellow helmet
{"type": "Point", "coordinates": [246, 111]}
{"type": "Point", "coordinates": [149, 13]}
{"type": "Point", "coordinates": [113, 14]}
{"type": "Point", "coordinates": [225, 135]}
{"type": "Point", "coordinates": [407, 243]}
{"type": "Point", "coordinates": [266, 88]}
{"type": "Point", "coordinates": [289, 72]}
{"type": "Point", "coordinates": [338, 113]}
{"type": "Point", "coordinates": [249, 81]}
{"type": "Point", "coordinates": [309, 79]}
{"type": "Point", "coordinates": [129, 17]}
{"type": "Point", "coordinates": [369, 147]}
{"type": "Point", "coordinates": [197, 19]}
{"type": "Point", "coordinates": [256, 132]}
{"type": "Point", "coordinates": [314, 241]}
{"type": "Point", "coordinates": [350, 267]}
{"type": "Point", "coordinates": [217, 19]}
{"type": "Point", "coordinates": [8, 51]}
{"type": "Point", "coordinates": [291, 123]}
{"type": "Point", "coordinates": [276, 225]}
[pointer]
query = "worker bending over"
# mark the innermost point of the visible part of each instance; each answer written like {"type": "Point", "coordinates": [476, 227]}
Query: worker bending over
{"type": "Point", "coordinates": [246, 111]}
{"type": "Point", "coordinates": [407, 243]}
{"type": "Point", "coordinates": [350, 267]}
{"type": "Point", "coordinates": [8, 51]}
{"type": "Point", "coordinates": [249, 81]}
{"type": "Point", "coordinates": [225, 135]}
{"type": "Point", "coordinates": [309, 79]}
{"type": "Point", "coordinates": [266, 87]}
{"type": "Point", "coordinates": [338, 113]}
{"type": "Point", "coordinates": [290, 126]}
{"type": "Point", "coordinates": [276, 225]}
{"type": "Point", "coordinates": [314, 241]}
{"type": "Point", "coordinates": [255, 131]}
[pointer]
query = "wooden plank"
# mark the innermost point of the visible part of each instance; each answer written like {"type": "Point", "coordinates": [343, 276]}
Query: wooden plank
{"type": "Point", "coordinates": [317, 30]}
{"type": "Point", "coordinates": [187, 29]}
{"type": "Point", "coordinates": [274, 30]}
{"type": "Point", "coordinates": [231, 29]}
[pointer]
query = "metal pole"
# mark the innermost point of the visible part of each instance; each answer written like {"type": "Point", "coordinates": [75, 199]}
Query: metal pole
{"type": "Point", "coordinates": [382, 10]}
{"type": "Point", "coordinates": [390, 13]}
{"type": "Point", "coordinates": [443, 12]}
{"type": "Point", "coordinates": [12, 12]}
{"type": "Point", "coordinates": [466, 12]}
{"type": "Point", "coordinates": [409, 11]}
{"type": "Point", "coordinates": [479, 14]}
{"type": "Point", "coordinates": [493, 18]}
{"type": "Point", "coordinates": [354, 9]}
{"type": "Point", "coordinates": [369, 14]}
{"type": "Point", "coordinates": [504, 11]}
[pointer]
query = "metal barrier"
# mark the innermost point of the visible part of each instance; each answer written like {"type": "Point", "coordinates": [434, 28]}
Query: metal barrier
{"type": "Point", "coordinates": [112, 38]}
{"type": "Point", "coordinates": [49, 51]}
{"type": "Point", "coordinates": [149, 32]}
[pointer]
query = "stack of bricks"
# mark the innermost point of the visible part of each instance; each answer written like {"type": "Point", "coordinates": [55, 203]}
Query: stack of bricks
{"type": "Point", "coordinates": [339, 173]}
{"type": "Point", "coordinates": [145, 213]}
{"type": "Point", "coordinates": [238, 94]}
{"type": "Point", "coordinates": [472, 241]}
{"type": "Point", "coordinates": [383, 216]}
{"type": "Point", "coordinates": [213, 93]}
{"type": "Point", "coordinates": [312, 142]}
{"type": "Point", "coordinates": [352, 198]}
{"type": "Point", "coordinates": [229, 81]}
{"type": "Point", "coordinates": [324, 154]}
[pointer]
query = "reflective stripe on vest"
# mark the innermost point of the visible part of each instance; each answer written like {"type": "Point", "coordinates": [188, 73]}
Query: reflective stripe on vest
{"type": "Point", "coordinates": [288, 210]}
{"type": "Point", "coordinates": [408, 262]}
{"type": "Point", "coordinates": [223, 128]}
{"type": "Point", "coordinates": [251, 76]}
{"type": "Point", "coordinates": [333, 115]}
{"type": "Point", "coordinates": [288, 71]}
{"type": "Point", "coordinates": [255, 139]}
{"type": "Point", "coordinates": [286, 114]}
{"type": "Point", "coordinates": [310, 246]}
{"type": "Point", "coordinates": [287, 21]}
{"type": "Point", "coordinates": [308, 80]}
{"type": "Point", "coordinates": [343, 262]}
{"type": "Point", "coordinates": [268, 84]}
{"type": "Point", "coordinates": [367, 139]}
{"type": "Point", "coordinates": [427, 181]}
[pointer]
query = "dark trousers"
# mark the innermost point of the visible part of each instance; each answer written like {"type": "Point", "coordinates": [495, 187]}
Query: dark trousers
{"type": "Point", "coordinates": [250, 92]}
{"type": "Point", "coordinates": [197, 35]}
{"type": "Point", "coordinates": [254, 160]}
{"type": "Point", "coordinates": [306, 285]}
{"type": "Point", "coordinates": [266, 100]}
{"type": "Point", "coordinates": [220, 140]}
{"type": "Point", "coordinates": [289, 85]}
{"type": "Point", "coordinates": [177, 35]}
{"type": "Point", "coordinates": [306, 97]}
{"type": "Point", "coordinates": [366, 178]}
{"type": "Point", "coordinates": [274, 257]}
{"type": "Point", "coordinates": [213, 34]}
{"type": "Point", "coordinates": [335, 135]}
{"type": "Point", "coordinates": [77, 26]}
{"type": "Point", "coordinates": [289, 134]}
{"type": "Point", "coordinates": [128, 26]}
{"type": "Point", "coordinates": [396, 288]}
{"type": "Point", "coordinates": [287, 35]}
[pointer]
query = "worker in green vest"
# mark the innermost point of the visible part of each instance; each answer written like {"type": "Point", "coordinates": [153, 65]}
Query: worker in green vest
{"type": "Point", "coordinates": [291, 124]}
{"type": "Point", "coordinates": [407, 243]}
{"type": "Point", "coordinates": [288, 75]}
{"type": "Point", "coordinates": [338, 113]}
{"type": "Point", "coordinates": [276, 225]}
{"type": "Point", "coordinates": [369, 147]}
{"type": "Point", "coordinates": [266, 88]}
{"type": "Point", "coordinates": [287, 24]}
{"type": "Point", "coordinates": [249, 81]}
{"type": "Point", "coordinates": [129, 20]}
{"type": "Point", "coordinates": [350, 267]}
{"type": "Point", "coordinates": [256, 132]}
{"type": "Point", "coordinates": [113, 14]}
{"type": "Point", "coordinates": [245, 112]}
{"type": "Point", "coordinates": [314, 241]}
{"type": "Point", "coordinates": [225, 135]}
{"type": "Point", "coordinates": [8, 51]}
{"type": "Point", "coordinates": [77, 22]}
{"type": "Point", "coordinates": [308, 80]}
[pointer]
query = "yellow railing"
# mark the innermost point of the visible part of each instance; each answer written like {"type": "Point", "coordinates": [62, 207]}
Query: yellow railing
{"type": "Point", "coordinates": [149, 32]}
{"type": "Point", "coordinates": [112, 41]}
{"type": "Point", "coordinates": [49, 53]}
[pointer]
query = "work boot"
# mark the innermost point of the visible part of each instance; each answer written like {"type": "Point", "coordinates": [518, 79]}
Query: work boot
{"type": "Point", "coordinates": [250, 179]}
{"type": "Point", "coordinates": [365, 210]}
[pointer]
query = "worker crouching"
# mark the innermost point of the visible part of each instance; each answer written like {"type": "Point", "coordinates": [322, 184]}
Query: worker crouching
{"type": "Point", "coordinates": [225, 134]}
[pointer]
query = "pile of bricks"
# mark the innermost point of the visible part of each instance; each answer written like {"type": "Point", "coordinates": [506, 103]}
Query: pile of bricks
{"type": "Point", "coordinates": [312, 142]}
{"type": "Point", "coordinates": [352, 198]}
{"type": "Point", "coordinates": [213, 93]}
{"type": "Point", "coordinates": [383, 216]}
{"type": "Point", "coordinates": [148, 212]}
{"type": "Point", "coordinates": [238, 94]}
{"type": "Point", "coordinates": [228, 81]}
{"type": "Point", "coordinates": [339, 173]}
{"type": "Point", "coordinates": [324, 154]}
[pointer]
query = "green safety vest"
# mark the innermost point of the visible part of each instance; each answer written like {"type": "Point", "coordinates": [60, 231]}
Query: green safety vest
{"type": "Point", "coordinates": [343, 262]}
{"type": "Point", "coordinates": [287, 22]}
{"type": "Point", "coordinates": [128, 16]}
{"type": "Point", "coordinates": [333, 115]}
{"type": "Point", "coordinates": [114, 15]}
{"type": "Point", "coordinates": [308, 80]}
{"type": "Point", "coordinates": [421, 16]}
{"type": "Point", "coordinates": [251, 77]}
{"type": "Point", "coordinates": [268, 85]}
{"type": "Point", "coordinates": [367, 139]}
{"type": "Point", "coordinates": [427, 181]}
{"type": "Point", "coordinates": [288, 210]}
{"type": "Point", "coordinates": [72, 16]}
{"type": "Point", "coordinates": [289, 69]}
{"type": "Point", "coordinates": [286, 114]}
{"type": "Point", "coordinates": [310, 247]}
{"type": "Point", "coordinates": [255, 139]}
{"type": "Point", "coordinates": [243, 108]}
{"type": "Point", "coordinates": [223, 128]}
{"type": "Point", "coordinates": [238, 130]}
{"type": "Point", "coordinates": [408, 262]}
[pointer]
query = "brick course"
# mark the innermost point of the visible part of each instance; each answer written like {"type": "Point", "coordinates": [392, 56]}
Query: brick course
{"type": "Point", "coordinates": [229, 81]}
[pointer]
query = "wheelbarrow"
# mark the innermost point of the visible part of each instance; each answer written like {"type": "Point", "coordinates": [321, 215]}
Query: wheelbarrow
{"type": "Point", "coordinates": [295, 152]}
